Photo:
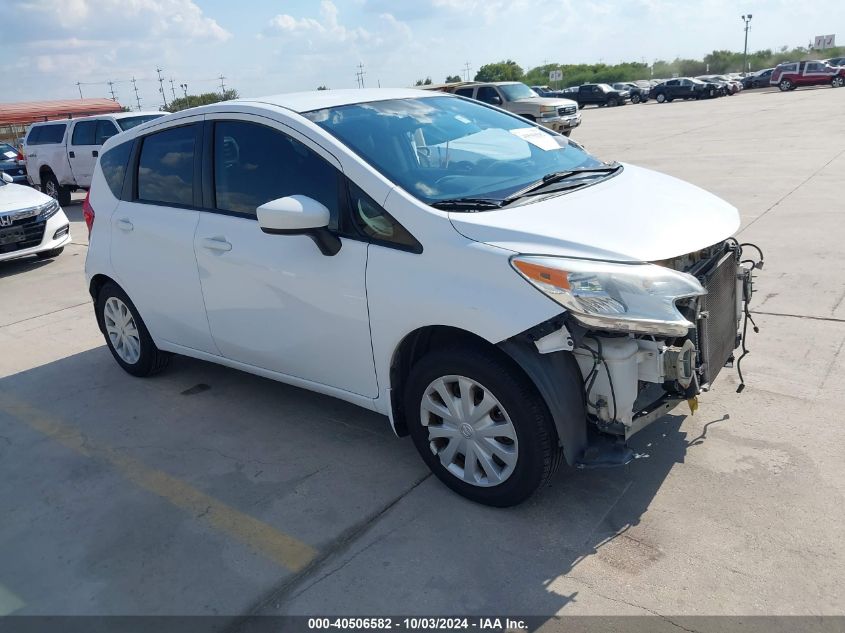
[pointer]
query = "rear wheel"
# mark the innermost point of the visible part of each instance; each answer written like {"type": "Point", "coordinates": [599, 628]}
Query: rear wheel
{"type": "Point", "coordinates": [126, 335]}
{"type": "Point", "coordinates": [480, 425]}
{"type": "Point", "coordinates": [785, 85]}
{"type": "Point", "coordinates": [53, 189]}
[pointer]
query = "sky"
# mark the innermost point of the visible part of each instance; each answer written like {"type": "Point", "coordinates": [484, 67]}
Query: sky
{"type": "Point", "coordinates": [271, 46]}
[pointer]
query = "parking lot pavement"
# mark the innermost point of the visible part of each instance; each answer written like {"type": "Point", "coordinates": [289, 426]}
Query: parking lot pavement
{"type": "Point", "coordinates": [205, 490]}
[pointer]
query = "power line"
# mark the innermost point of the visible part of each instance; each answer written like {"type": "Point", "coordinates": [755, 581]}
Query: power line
{"type": "Point", "coordinates": [222, 85]}
{"type": "Point", "coordinates": [360, 74]}
{"type": "Point", "coordinates": [137, 98]}
{"type": "Point", "coordinates": [161, 86]}
{"type": "Point", "coordinates": [172, 89]}
{"type": "Point", "coordinates": [466, 70]}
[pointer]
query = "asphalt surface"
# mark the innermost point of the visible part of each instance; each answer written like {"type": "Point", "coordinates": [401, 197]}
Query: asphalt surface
{"type": "Point", "coordinates": [209, 491]}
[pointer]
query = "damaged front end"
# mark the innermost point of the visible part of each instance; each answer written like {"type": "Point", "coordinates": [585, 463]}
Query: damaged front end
{"type": "Point", "coordinates": [645, 337]}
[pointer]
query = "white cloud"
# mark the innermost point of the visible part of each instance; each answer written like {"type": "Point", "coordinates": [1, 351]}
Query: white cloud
{"type": "Point", "coordinates": [328, 27]}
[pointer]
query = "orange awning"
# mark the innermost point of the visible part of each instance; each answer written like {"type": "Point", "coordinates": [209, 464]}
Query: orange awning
{"type": "Point", "coordinates": [30, 111]}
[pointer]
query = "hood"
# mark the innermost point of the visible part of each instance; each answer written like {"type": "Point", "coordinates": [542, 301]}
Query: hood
{"type": "Point", "coordinates": [638, 215]}
{"type": "Point", "coordinates": [17, 197]}
{"type": "Point", "coordinates": [548, 101]}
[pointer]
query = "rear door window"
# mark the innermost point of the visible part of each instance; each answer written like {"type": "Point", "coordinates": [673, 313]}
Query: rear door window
{"type": "Point", "coordinates": [84, 133]}
{"type": "Point", "coordinates": [464, 92]}
{"type": "Point", "coordinates": [166, 167]}
{"type": "Point", "coordinates": [113, 163]}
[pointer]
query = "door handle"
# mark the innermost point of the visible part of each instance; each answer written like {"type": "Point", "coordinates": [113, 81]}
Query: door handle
{"type": "Point", "coordinates": [125, 225]}
{"type": "Point", "coordinates": [216, 244]}
{"type": "Point", "coordinates": [95, 153]}
{"type": "Point", "coordinates": [71, 154]}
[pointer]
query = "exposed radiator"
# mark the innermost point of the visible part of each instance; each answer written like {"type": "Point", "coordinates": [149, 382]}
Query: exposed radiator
{"type": "Point", "coordinates": [717, 329]}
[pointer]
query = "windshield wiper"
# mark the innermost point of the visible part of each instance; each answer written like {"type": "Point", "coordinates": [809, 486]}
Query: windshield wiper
{"type": "Point", "coordinates": [558, 176]}
{"type": "Point", "coordinates": [464, 204]}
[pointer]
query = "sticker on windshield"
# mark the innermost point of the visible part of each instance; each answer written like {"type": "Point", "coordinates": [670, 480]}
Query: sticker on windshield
{"type": "Point", "coordinates": [537, 138]}
{"type": "Point", "coordinates": [10, 154]}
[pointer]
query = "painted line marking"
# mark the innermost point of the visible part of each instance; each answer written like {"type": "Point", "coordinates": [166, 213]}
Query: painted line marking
{"type": "Point", "coordinates": [261, 537]}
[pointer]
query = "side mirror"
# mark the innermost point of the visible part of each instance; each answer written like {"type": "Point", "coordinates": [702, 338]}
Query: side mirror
{"type": "Point", "coordinates": [496, 100]}
{"type": "Point", "coordinates": [299, 215]}
{"type": "Point", "coordinates": [7, 178]}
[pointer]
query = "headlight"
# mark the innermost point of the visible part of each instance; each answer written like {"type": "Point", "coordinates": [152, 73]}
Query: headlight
{"type": "Point", "coordinates": [48, 210]}
{"type": "Point", "coordinates": [548, 110]}
{"type": "Point", "coordinates": [623, 297]}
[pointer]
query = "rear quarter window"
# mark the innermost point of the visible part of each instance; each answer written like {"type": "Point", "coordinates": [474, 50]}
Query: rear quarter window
{"type": "Point", "coordinates": [51, 134]}
{"type": "Point", "coordinates": [113, 163]}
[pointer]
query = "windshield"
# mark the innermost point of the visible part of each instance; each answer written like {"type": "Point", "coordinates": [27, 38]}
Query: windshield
{"type": "Point", "coordinates": [441, 148]}
{"type": "Point", "coordinates": [7, 152]}
{"type": "Point", "coordinates": [515, 92]}
{"type": "Point", "coordinates": [127, 123]}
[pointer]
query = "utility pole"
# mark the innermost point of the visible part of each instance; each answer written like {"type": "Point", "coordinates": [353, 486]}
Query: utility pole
{"type": "Point", "coordinates": [79, 85]}
{"type": "Point", "coordinates": [466, 70]}
{"type": "Point", "coordinates": [137, 98]}
{"type": "Point", "coordinates": [747, 20]}
{"type": "Point", "coordinates": [222, 85]}
{"type": "Point", "coordinates": [184, 88]}
{"type": "Point", "coordinates": [111, 89]}
{"type": "Point", "coordinates": [161, 86]}
{"type": "Point", "coordinates": [360, 74]}
{"type": "Point", "coordinates": [172, 89]}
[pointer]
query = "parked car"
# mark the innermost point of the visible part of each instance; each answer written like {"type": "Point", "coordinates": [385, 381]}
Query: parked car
{"type": "Point", "coordinates": [637, 93]}
{"type": "Point", "coordinates": [601, 95]}
{"type": "Point", "coordinates": [727, 86]}
{"type": "Point", "coordinates": [60, 155]}
{"type": "Point", "coordinates": [560, 115]}
{"type": "Point", "coordinates": [12, 163]}
{"type": "Point", "coordinates": [31, 223]}
{"type": "Point", "coordinates": [835, 61]}
{"type": "Point", "coordinates": [792, 75]}
{"type": "Point", "coordinates": [683, 88]}
{"type": "Point", "coordinates": [760, 79]}
{"type": "Point", "coordinates": [366, 244]}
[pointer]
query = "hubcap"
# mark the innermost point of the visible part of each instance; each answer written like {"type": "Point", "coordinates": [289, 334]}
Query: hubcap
{"type": "Point", "coordinates": [469, 431]}
{"type": "Point", "coordinates": [122, 330]}
{"type": "Point", "coordinates": [50, 190]}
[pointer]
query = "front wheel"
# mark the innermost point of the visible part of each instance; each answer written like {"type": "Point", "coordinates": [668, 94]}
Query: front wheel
{"type": "Point", "coordinates": [837, 82]}
{"type": "Point", "coordinates": [480, 425]}
{"type": "Point", "coordinates": [635, 98]}
{"type": "Point", "coordinates": [612, 102]}
{"type": "Point", "coordinates": [661, 98]}
{"type": "Point", "coordinates": [126, 335]}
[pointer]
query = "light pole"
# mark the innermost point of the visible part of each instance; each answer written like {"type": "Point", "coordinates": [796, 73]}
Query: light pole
{"type": "Point", "coordinates": [747, 20]}
{"type": "Point", "coordinates": [184, 88]}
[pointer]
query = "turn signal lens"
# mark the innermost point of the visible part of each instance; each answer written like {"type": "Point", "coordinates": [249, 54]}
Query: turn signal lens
{"type": "Point", "coordinates": [88, 213]}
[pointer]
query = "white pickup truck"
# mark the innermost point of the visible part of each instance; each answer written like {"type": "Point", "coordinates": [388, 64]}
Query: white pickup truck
{"type": "Point", "coordinates": [61, 155]}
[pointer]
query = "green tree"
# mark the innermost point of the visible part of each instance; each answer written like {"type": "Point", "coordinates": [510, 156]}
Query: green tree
{"type": "Point", "coordinates": [451, 79]}
{"type": "Point", "coordinates": [423, 82]}
{"type": "Point", "coordinates": [192, 101]}
{"type": "Point", "coordinates": [500, 71]}
{"type": "Point", "coordinates": [321, 88]}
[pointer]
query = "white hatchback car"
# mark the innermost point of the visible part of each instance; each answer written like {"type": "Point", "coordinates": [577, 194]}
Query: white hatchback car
{"type": "Point", "coordinates": [31, 223]}
{"type": "Point", "coordinates": [459, 269]}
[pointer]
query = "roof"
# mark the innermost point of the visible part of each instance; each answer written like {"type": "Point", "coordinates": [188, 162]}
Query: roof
{"type": "Point", "coordinates": [30, 111]}
{"type": "Point", "coordinates": [318, 99]}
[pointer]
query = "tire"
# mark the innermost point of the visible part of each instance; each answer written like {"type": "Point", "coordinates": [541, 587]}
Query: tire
{"type": "Point", "coordinates": [567, 133]}
{"type": "Point", "coordinates": [517, 410]}
{"type": "Point", "coordinates": [661, 98]}
{"type": "Point", "coordinates": [670, 99]}
{"type": "Point", "coordinates": [837, 82]}
{"type": "Point", "coordinates": [50, 185]}
{"type": "Point", "coordinates": [785, 85]}
{"type": "Point", "coordinates": [612, 102]}
{"type": "Point", "coordinates": [50, 254]}
{"type": "Point", "coordinates": [635, 98]}
{"type": "Point", "coordinates": [149, 360]}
